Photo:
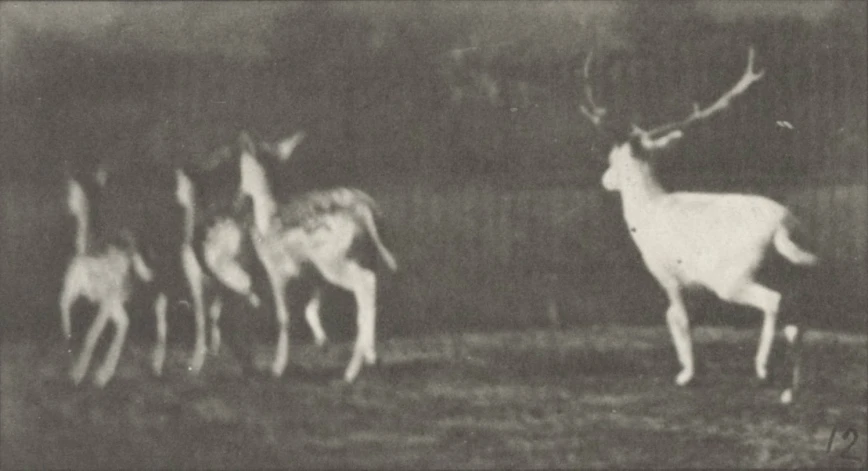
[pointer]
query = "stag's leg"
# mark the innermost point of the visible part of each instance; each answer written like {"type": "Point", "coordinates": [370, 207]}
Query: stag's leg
{"type": "Point", "coordinates": [363, 283]}
{"type": "Point", "coordinates": [214, 314]}
{"type": "Point", "coordinates": [794, 335]}
{"type": "Point", "coordinates": [679, 328]}
{"type": "Point", "coordinates": [159, 354]}
{"type": "Point", "coordinates": [67, 297]}
{"type": "Point", "coordinates": [311, 315]}
{"type": "Point", "coordinates": [767, 301]}
{"type": "Point", "coordinates": [79, 369]}
{"type": "Point", "coordinates": [194, 277]}
{"type": "Point", "coordinates": [121, 320]}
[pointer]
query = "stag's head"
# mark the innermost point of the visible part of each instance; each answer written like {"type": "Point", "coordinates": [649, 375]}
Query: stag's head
{"type": "Point", "coordinates": [629, 157]}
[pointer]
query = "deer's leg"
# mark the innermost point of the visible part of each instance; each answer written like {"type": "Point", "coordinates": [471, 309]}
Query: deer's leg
{"type": "Point", "coordinates": [277, 279]}
{"type": "Point", "coordinates": [193, 272]}
{"type": "Point", "coordinates": [363, 283]}
{"type": "Point", "coordinates": [281, 354]}
{"type": "Point", "coordinates": [214, 314]}
{"type": "Point", "coordinates": [121, 320]}
{"type": "Point", "coordinates": [159, 354]}
{"type": "Point", "coordinates": [66, 300]}
{"type": "Point", "coordinates": [79, 369]}
{"type": "Point", "coordinates": [679, 328]}
{"type": "Point", "coordinates": [794, 335]}
{"type": "Point", "coordinates": [68, 295]}
{"type": "Point", "coordinates": [767, 301]}
{"type": "Point", "coordinates": [278, 288]}
{"type": "Point", "coordinates": [311, 315]}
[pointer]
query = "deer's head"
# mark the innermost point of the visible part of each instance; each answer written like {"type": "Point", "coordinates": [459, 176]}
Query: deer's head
{"type": "Point", "coordinates": [254, 181]}
{"type": "Point", "coordinates": [631, 154]}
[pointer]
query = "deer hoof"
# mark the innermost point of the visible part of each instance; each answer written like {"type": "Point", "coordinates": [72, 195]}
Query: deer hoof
{"type": "Point", "coordinates": [684, 377]}
{"type": "Point", "coordinates": [761, 372]}
{"type": "Point", "coordinates": [101, 378]}
{"type": "Point", "coordinates": [276, 371]}
{"type": "Point", "coordinates": [787, 396]}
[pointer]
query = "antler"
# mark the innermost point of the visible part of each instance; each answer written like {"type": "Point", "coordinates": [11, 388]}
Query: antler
{"type": "Point", "coordinates": [672, 131]}
{"type": "Point", "coordinates": [596, 113]}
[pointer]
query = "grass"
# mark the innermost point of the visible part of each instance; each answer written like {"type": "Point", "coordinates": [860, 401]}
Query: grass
{"type": "Point", "coordinates": [592, 397]}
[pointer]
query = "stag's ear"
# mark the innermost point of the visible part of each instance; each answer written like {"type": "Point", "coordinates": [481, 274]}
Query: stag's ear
{"type": "Point", "coordinates": [288, 145]}
{"type": "Point", "coordinates": [662, 142]}
{"type": "Point", "coordinates": [246, 143]}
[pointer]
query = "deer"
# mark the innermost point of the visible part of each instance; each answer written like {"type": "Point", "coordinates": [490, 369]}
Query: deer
{"type": "Point", "coordinates": [103, 271]}
{"type": "Point", "coordinates": [218, 264]}
{"type": "Point", "coordinates": [88, 276]}
{"type": "Point", "coordinates": [315, 230]}
{"type": "Point", "coordinates": [717, 241]}
{"type": "Point", "coordinates": [219, 244]}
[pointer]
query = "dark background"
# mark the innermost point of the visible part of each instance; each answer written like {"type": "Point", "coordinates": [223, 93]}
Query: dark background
{"type": "Point", "coordinates": [463, 120]}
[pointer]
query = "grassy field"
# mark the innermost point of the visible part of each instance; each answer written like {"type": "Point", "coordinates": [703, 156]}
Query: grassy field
{"type": "Point", "coordinates": [592, 397]}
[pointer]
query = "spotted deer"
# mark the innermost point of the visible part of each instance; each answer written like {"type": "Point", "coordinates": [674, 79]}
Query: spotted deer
{"type": "Point", "coordinates": [102, 270]}
{"type": "Point", "coordinates": [716, 241]}
{"type": "Point", "coordinates": [318, 229]}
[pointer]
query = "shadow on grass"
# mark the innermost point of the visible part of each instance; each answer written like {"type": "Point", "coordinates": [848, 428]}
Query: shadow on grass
{"type": "Point", "coordinates": [579, 363]}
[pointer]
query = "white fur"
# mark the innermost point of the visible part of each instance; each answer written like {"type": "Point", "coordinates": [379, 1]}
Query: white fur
{"type": "Point", "coordinates": [712, 240]}
{"type": "Point", "coordinates": [222, 245]}
{"type": "Point", "coordinates": [104, 277]}
{"type": "Point", "coordinates": [716, 241]}
{"type": "Point", "coordinates": [283, 249]}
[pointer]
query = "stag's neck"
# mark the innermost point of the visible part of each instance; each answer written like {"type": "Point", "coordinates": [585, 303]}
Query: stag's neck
{"type": "Point", "coordinates": [640, 193]}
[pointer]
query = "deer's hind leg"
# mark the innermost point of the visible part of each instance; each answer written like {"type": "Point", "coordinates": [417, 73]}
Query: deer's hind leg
{"type": "Point", "coordinates": [348, 274]}
{"type": "Point", "coordinates": [794, 335]}
{"type": "Point", "coordinates": [679, 327]}
{"type": "Point", "coordinates": [68, 294]}
{"type": "Point", "coordinates": [311, 315]}
{"type": "Point", "coordinates": [118, 315]}
{"type": "Point", "coordinates": [768, 301]}
{"type": "Point", "coordinates": [214, 312]}
{"type": "Point", "coordinates": [159, 353]}
{"type": "Point", "coordinates": [193, 272]}
{"type": "Point", "coordinates": [79, 369]}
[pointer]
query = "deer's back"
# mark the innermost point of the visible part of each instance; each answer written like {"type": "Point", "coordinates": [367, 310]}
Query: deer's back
{"type": "Point", "coordinates": [708, 238]}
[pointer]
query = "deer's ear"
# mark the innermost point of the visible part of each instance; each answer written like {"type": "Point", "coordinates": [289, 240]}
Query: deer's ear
{"type": "Point", "coordinates": [101, 175]}
{"type": "Point", "coordinates": [246, 143]}
{"type": "Point", "coordinates": [663, 141]}
{"type": "Point", "coordinates": [288, 145]}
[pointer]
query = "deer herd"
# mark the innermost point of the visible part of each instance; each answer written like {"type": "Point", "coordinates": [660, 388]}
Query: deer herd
{"type": "Point", "coordinates": [686, 239]}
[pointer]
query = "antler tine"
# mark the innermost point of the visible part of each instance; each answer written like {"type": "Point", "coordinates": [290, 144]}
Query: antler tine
{"type": "Point", "coordinates": [749, 77]}
{"type": "Point", "coordinates": [596, 113]}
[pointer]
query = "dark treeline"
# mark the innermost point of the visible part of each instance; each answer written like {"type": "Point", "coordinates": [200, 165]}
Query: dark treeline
{"type": "Point", "coordinates": [462, 120]}
{"type": "Point", "coordinates": [419, 96]}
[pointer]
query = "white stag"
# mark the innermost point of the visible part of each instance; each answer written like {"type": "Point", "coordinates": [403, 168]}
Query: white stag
{"type": "Point", "coordinates": [716, 241]}
{"type": "Point", "coordinates": [101, 271]}
{"type": "Point", "coordinates": [316, 229]}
